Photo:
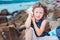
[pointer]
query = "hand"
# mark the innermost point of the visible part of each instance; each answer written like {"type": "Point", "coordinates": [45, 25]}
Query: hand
{"type": "Point", "coordinates": [33, 19]}
{"type": "Point", "coordinates": [29, 10]}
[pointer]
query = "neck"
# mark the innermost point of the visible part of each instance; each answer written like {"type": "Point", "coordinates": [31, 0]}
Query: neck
{"type": "Point", "coordinates": [37, 20]}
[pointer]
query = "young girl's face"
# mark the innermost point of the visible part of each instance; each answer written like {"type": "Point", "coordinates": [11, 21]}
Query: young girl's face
{"type": "Point", "coordinates": [38, 13]}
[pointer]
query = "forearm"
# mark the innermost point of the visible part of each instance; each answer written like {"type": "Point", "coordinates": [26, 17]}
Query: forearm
{"type": "Point", "coordinates": [28, 21]}
{"type": "Point", "coordinates": [38, 30]}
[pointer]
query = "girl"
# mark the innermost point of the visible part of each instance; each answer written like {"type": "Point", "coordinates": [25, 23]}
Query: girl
{"type": "Point", "coordinates": [35, 24]}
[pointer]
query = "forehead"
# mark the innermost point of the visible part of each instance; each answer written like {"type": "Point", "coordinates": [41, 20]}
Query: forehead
{"type": "Point", "coordinates": [39, 9]}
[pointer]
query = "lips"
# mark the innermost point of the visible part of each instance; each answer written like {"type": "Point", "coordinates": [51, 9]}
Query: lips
{"type": "Point", "coordinates": [38, 16]}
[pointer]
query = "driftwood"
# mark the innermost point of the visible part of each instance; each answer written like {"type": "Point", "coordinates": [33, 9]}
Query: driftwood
{"type": "Point", "coordinates": [4, 12]}
{"type": "Point", "coordinates": [19, 19]}
{"type": "Point", "coordinates": [3, 21]}
{"type": "Point", "coordinates": [47, 28]}
{"type": "Point", "coordinates": [18, 32]}
{"type": "Point", "coordinates": [56, 14]}
{"type": "Point", "coordinates": [9, 33]}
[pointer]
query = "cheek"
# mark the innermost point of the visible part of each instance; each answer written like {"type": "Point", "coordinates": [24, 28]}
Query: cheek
{"type": "Point", "coordinates": [35, 15]}
{"type": "Point", "coordinates": [38, 15]}
{"type": "Point", "coordinates": [42, 15]}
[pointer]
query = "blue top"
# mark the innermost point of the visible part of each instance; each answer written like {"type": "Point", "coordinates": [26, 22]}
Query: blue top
{"type": "Point", "coordinates": [38, 25]}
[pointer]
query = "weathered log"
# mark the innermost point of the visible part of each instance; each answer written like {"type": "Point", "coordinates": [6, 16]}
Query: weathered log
{"type": "Point", "coordinates": [10, 34]}
{"type": "Point", "coordinates": [56, 14]}
{"type": "Point", "coordinates": [19, 19]}
{"type": "Point", "coordinates": [4, 12]}
{"type": "Point", "coordinates": [47, 27]}
{"type": "Point", "coordinates": [3, 21]}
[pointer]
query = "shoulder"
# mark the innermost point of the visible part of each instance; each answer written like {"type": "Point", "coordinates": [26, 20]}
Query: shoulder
{"type": "Point", "coordinates": [45, 21]}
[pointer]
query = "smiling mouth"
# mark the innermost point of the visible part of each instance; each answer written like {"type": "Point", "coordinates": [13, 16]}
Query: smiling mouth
{"type": "Point", "coordinates": [38, 17]}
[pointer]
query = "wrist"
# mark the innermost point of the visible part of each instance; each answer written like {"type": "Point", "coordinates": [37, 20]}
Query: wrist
{"type": "Point", "coordinates": [33, 22]}
{"type": "Point", "coordinates": [29, 13]}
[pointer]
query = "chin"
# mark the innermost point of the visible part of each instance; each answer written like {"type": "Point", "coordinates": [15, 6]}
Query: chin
{"type": "Point", "coordinates": [38, 19]}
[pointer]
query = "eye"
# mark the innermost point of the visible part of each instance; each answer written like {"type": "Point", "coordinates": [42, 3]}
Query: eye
{"type": "Point", "coordinates": [36, 11]}
{"type": "Point", "coordinates": [41, 12]}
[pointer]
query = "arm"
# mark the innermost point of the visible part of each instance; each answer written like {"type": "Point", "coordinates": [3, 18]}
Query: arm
{"type": "Point", "coordinates": [40, 30]}
{"type": "Point", "coordinates": [28, 21]}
